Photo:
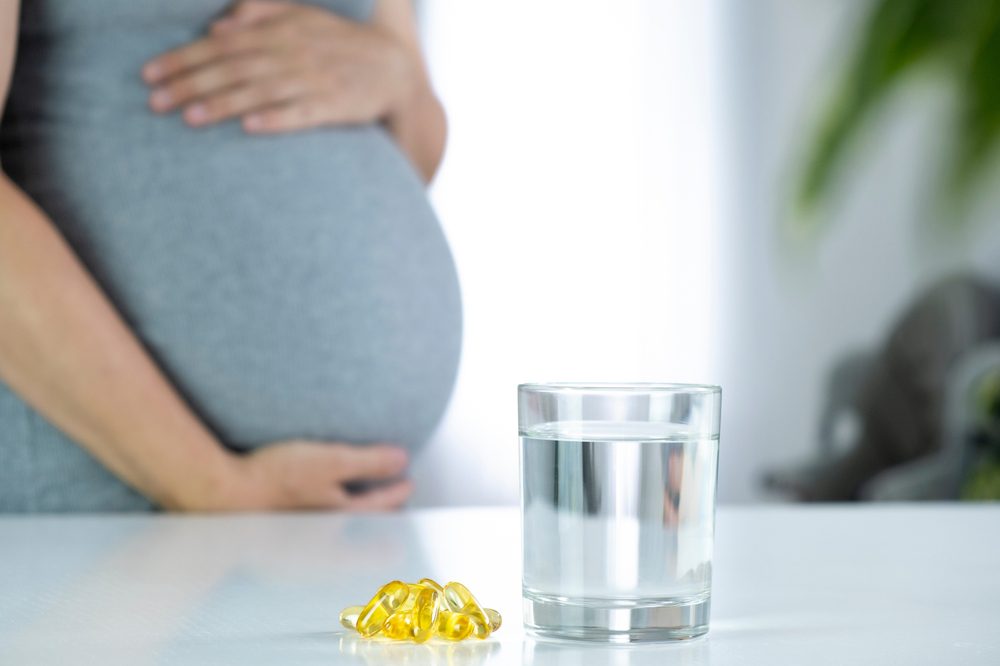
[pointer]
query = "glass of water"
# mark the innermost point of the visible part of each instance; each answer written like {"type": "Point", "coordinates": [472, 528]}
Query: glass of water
{"type": "Point", "coordinates": [618, 509]}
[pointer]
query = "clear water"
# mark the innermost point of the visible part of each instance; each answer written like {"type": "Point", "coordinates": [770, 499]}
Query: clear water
{"type": "Point", "coordinates": [617, 515]}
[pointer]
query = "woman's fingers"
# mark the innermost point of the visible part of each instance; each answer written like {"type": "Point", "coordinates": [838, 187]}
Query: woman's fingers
{"type": "Point", "coordinates": [242, 99]}
{"type": "Point", "coordinates": [347, 72]}
{"type": "Point", "coordinates": [297, 474]}
{"type": "Point", "coordinates": [341, 462]}
{"type": "Point", "coordinates": [374, 461]}
{"type": "Point", "coordinates": [383, 498]}
{"type": "Point", "coordinates": [274, 34]}
{"type": "Point", "coordinates": [211, 79]}
{"type": "Point", "coordinates": [199, 53]}
{"type": "Point", "coordinates": [302, 113]}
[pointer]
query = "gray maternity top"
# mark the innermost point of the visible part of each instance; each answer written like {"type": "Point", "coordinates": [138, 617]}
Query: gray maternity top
{"type": "Point", "coordinates": [291, 286]}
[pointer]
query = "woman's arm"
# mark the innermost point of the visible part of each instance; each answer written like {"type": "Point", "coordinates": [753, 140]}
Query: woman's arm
{"type": "Point", "coordinates": [66, 351]}
{"type": "Point", "coordinates": [418, 123]}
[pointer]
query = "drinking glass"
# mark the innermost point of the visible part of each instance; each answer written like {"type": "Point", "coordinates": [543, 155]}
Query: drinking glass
{"type": "Point", "coordinates": [618, 509]}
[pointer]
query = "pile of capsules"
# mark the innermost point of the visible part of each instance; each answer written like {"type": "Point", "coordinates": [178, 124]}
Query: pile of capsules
{"type": "Point", "coordinates": [417, 611]}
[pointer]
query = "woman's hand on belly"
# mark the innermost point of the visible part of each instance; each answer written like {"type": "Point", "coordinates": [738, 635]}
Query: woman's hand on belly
{"type": "Point", "coordinates": [312, 475]}
{"type": "Point", "coordinates": [284, 66]}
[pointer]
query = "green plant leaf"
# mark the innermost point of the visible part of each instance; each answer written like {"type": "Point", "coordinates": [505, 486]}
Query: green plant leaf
{"type": "Point", "coordinates": [898, 35]}
{"type": "Point", "coordinates": [979, 88]}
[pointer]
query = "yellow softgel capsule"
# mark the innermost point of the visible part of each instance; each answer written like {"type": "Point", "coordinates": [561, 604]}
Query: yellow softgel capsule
{"type": "Point", "coordinates": [401, 625]}
{"type": "Point", "coordinates": [413, 589]}
{"type": "Point", "coordinates": [426, 609]}
{"type": "Point", "coordinates": [398, 626]}
{"type": "Point", "coordinates": [494, 618]}
{"type": "Point", "coordinates": [349, 616]}
{"type": "Point", "coordinates": [460, 600]}
{"type": "Point", "coordinates": [391, 596]}
{"type": "Point", "coordinates": [418, 611]}
{"type": "Point", "coordinates": [454, 626]}
{"type": "Point", "coordinates": [480, 623]}
{"type": "Point", "coordinates": [433, 584]}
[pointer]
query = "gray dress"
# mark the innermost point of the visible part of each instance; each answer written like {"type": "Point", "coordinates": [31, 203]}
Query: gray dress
{"type": "Point", "coordinates": [290, 286]}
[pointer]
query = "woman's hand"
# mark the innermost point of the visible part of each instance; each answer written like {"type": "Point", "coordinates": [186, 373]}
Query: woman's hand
{"type": "Point", "coordinates": [311, 475]}
{"type": "Point", "coordinates": [282, 66]}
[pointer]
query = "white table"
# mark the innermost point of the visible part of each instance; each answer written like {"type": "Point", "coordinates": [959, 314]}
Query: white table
{"type": "Point", "coordinates": [793, 585]}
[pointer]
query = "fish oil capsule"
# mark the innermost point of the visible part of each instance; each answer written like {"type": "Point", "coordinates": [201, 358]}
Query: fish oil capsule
{"type": "Point", "coordinates": [454, 626]}
{"type": "Point", "coordinates": [401, 623]}
{"type": "Point", "coordinates": [349, 616]}
{"type": "Point", "coordinates": [385, 602]}
{"type": "Point", "coordinates": [426, 609]}
{"type": "Point", "coordinates": [480, 623]}
{"type": "Point", "coordinates": [413, 590]}
{"type": "Point", "coordinates": [458, 596]}
{"type": "Point", "coordinates": [431, 583]}
{"type": "Point", "coordinates": [460, 600]}
{"type": "Point", "coordinates": [398, 626]}
{"type": "Point", "coordinates": [494, 618]}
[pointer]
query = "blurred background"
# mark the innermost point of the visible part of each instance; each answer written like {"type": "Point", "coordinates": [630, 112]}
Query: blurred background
{"type": "Point", "coordinates": [637, 192]}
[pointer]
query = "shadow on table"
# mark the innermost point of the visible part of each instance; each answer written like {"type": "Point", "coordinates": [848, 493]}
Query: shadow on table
{"type": "Point", "coordinates": [574, 653]}
{"type": "Point", "coordinates": [379, 651]}
{"type": "Point", "coordinates": [534, 653]}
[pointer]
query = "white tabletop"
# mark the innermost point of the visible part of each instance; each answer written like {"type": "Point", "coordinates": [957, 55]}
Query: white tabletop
{"type": "Point", "coordinates": [792, 585]}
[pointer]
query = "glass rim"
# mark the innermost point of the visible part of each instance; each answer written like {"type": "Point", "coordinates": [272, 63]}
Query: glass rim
{"type": "Point", "coordinates": [624, 387]}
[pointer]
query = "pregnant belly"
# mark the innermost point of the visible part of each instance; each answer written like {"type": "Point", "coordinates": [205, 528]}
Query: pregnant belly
{"type": "Point", "coordinates": [290, 286]}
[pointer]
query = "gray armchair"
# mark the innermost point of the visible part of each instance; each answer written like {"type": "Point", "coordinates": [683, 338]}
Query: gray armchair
{"type": "Point", "coordinates": [903, 424]}
{"type": "Point", "coordinates": [936, 476]}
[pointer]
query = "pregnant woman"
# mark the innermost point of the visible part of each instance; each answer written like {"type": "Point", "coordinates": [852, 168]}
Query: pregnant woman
{"type": "Point", "coordinates": [221, 284]}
